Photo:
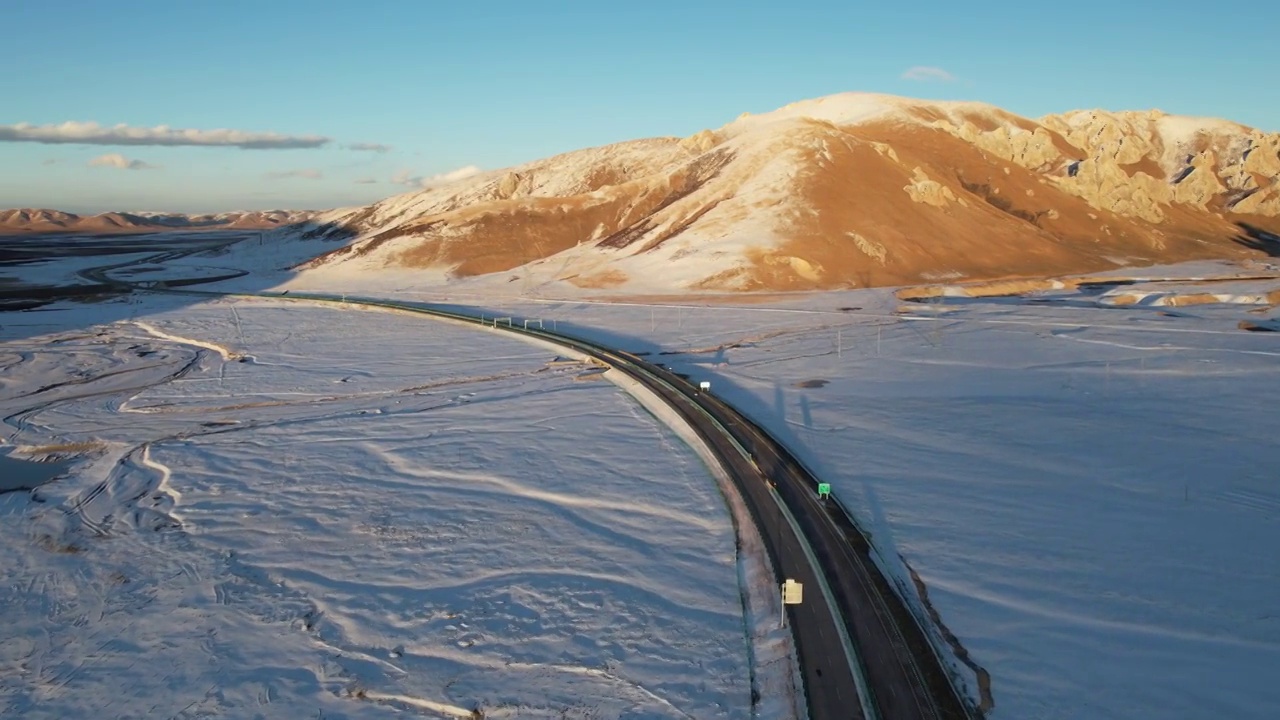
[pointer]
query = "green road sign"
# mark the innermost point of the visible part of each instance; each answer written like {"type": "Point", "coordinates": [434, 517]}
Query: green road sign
{"type": "Point", "coordinates": [824, 489]}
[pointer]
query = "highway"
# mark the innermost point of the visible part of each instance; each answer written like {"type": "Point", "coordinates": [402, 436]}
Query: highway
{"type": "Point", "coordinates": [905, 678]}
{"type": "Point", "coordinates": [861, 653]}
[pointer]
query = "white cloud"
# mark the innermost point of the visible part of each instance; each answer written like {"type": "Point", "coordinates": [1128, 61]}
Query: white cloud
{"type": "Point", "coordinates": [91, 133]}
{"type": "Point", "coordinates": [116, 160]}
{"type": "Point", "coordinates": [924, 73]}
{"type": "Point", "coordinates": [367, 181]}
{"type": "Point", "coordinates": [369, 147]}
{"type": "Point", "coordinates": [305, 173]}
{"type": "Point", "coordinates": [404, 177]}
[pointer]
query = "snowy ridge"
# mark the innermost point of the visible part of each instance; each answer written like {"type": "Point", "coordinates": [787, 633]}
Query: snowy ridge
{"type": "Point", "coordinates": [854, 108]}
{"type": "Point", "coordinates": [851, 190]}
{"type": "Point", "coordinates": [24, 220]}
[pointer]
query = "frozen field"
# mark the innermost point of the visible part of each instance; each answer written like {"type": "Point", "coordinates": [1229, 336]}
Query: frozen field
{"type": "Point", "coordinates": [284, 510]}
{"type": "Point", "coordinates": [1087, 492]}
{"type": "Point", "coordinates": [293, 511]}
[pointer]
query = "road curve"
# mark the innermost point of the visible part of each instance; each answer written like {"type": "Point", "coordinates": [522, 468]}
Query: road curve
{"type": "Point", "coordinates": [891, 671]}
{"type": "Point", "coordinates": [861, 652]}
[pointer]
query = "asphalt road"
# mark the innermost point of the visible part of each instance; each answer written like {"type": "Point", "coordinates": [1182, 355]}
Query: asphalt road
{"type": "Point", "coordinates": [905, 677]}
{"type": "Point", "coordinates": [861, 652]}
{"type": "Point", "coordinates": [830, 674]}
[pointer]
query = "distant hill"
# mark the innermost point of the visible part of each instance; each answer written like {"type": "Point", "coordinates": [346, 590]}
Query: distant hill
{"type": "Point", "coordinates": [32, 221]}
{"type": "Point", "coordinates": [851, 190]}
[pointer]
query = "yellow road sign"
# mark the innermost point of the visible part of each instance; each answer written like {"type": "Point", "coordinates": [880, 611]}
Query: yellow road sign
{"type": "Point", "coordinates": [792, 593]}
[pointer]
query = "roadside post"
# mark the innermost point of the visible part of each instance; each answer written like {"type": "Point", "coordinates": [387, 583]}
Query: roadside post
{"type": "Point", "coordinates": [792, 594]}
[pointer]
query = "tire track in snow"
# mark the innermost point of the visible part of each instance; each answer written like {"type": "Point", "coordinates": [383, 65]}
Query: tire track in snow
{"type": "Point", "coordinates": [21, 419]}
{"type": "Point", "coordinates": [418, 704]}
{"type": "Point", "coordinates": [1251, 500]}
{"type": "Point", "coordinates": [226, 353]}
{"type": "Point", "coordinates": [1159, 348]}
{"type": "Point", "coordinates": [163, 485]}
{"type": "Point", "coordinates": [508, 487]}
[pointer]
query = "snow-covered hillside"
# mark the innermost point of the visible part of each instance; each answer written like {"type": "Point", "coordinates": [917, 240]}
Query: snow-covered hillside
{"type": "Point", "coordinates": [34, 221]}
{"type": "Point", "coordinates": [851, 190]}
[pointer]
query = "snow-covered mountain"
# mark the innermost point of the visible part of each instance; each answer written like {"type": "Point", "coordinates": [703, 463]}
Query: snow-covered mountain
{"type": "Point", "coordinates": [850, 190]}
{"type": "Point", "coordinates": [29, 220]}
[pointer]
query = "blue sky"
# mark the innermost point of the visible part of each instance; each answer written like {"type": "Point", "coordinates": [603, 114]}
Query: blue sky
{"type": "Point", "coordinates": [451, 85]}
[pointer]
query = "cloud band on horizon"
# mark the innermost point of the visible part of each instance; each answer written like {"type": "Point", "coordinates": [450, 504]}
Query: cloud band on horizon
{"type": "Point", "coordinates": [91, 133]}
{"type": "Point", "coordinates": [925, 73]}
{"type": "Point", "coordinates": [404, 177]}
{"type": "Point", "coordinates": [306, 173]}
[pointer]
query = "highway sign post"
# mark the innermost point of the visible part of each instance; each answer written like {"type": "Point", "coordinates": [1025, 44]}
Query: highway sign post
{"type": "Point", "coordinates": [704, 386]}
{"type": "Point", "coordinates": [824, 491]}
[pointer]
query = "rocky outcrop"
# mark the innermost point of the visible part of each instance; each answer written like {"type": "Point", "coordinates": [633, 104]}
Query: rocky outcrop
{"type": "Point", "coordinates": [701, 142]}
{"type": "Point", "coordinates": [929, 192]}
{"type": "Point", "coordinates": [1209, 165]}
{"type": "Point", "coordinates": [1138, 165]}
{"type": "Point", "coordinates": [1034, 150]}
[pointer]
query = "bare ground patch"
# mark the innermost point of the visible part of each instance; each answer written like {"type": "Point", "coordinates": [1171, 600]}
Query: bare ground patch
{"type": "Point", "coordinates": [600, 280]}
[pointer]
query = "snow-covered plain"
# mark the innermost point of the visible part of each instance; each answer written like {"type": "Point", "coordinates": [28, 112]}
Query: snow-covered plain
{"type": "Point", "coordinates": [1087, 492]}
{"type": "Point", "coordinates": [287, 510]}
